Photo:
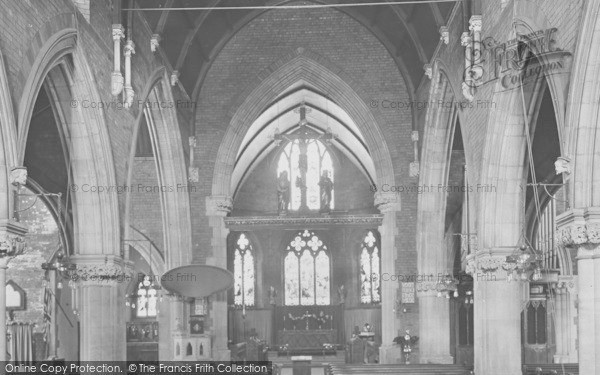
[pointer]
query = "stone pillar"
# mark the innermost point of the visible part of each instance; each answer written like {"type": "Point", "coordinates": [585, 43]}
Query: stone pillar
{"type": "Point", "coordinates": [172, 326]}
{"type": "Point", "coordinates": [497, 314]}
{"type": "Point", "coordinates": [217, 207]}
{"type": "Point", "coordinates": [102, 282]}
{"type": "Point", "coordinates": [580, 229]}
{"type": "Point", "coordinates": [434, 326]}
{"type": "Point", "coordinates": [388, 203]}
{"type": "Point", "coordinates": [12, 236]}
{"type": "Point", "coordinates": [3, 267]}
{"type": "Point", "coordinates": [566, 329]}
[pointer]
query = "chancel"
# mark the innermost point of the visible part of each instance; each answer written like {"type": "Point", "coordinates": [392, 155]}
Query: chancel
{"type": "Point", "coordinates": [328, 187]}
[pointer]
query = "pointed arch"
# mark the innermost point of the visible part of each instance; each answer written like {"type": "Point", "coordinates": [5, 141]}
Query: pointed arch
{"type": "Point", "coordinates": [305, 66]}
{"type": "Point", "coordinates": [170, 168]}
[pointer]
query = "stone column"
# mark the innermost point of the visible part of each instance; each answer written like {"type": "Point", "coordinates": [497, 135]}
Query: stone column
{"type": "Point", "coordinates": [566, 329]}
{"type": "Point", "coordinates": [172, 326]}
{"type": "Point", "coordinates": [217, 207]}
{"type": "Point", "coordinates": [388, 203]}
{"type": "Point", "coordinates": [497, 314]}
{"type": "Point", "coordinates": [12, 236]}
{"type": "Point", "coordinates": [434, 325]}
{"type": "Point", "coordinates": [580, 229]}
{"type": "Point", "coordinates": [101, 282]}
{"type": "Point", "coordinates": [3, 267]}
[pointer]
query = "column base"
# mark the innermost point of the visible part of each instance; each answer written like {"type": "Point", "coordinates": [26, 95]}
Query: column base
{"type": "Point", "coordinates": [437, 359]}
{"type": "Point", "coordinates": [390, 354]}
{"type": "Point", "coordinates": [222, 355]}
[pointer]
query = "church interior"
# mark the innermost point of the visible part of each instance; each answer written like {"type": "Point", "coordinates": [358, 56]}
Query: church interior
{"type": "Point", "coordinates": [333, 187]}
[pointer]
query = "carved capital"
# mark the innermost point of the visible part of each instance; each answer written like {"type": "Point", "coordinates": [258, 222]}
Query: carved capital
{"type": "Point", "coordinates": [129, 94]}
{"type": "Point", "coordinates": [413, 169]}
{"type": "Point", "coordinates": [567, 284]}
{"type": "Point", "coordinates": [154, 42]}
{"type": "Point", "coordinates": [490, 264]}
{"type": "Point", "coordinates": [428, 70]}
{"type": "Point", "coordinates": [12, 238]}
{"type": "Point", "coordinates": [116, 83]}
{"type": "Point", "coordinates": [475, 23]}
{"type": "Point", "coordinates": [219, 205]}
{"type": "Point", "coordinates": [467, 91]}
{"type": "Point", "coordinates": [109, 274]}
{"type": "Point", "coordinates": [118, 32]}
{"type": "Point", "coordinates": [465, 39]}
{"type": "Point", "coordinates": [174, 77]}
{"type": "Point", "coordinates": [579, 234]}
{"type": "Point", "coordinates": [444, 34]}
{"type": "Point", "coordinates": [562, 165]}
{"type": "Point", "coordinates": [193, 174]}
{"type": "Point", "coordinates": [18, 176]}
{"type": "Point", "coordinates": [387, 201]}
{"type": "Point", "coordinates": [101, 272]}
{"type": "Point", "coordinates": [129, 48]}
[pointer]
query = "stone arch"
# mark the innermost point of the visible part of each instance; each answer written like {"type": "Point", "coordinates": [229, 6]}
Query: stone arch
{"type": "Point", "coordinates": [325, 77]}
{"type": "Point", "coordinates": [171, 169]}
{"type": "Point", "coordinates": [61, 63]}
{"type": "Point", "coordinates": [501, 217]}
{"type": "Point", "coordinates": [147, 251]}
{"type": "Point", "coordinates": [582, 134]}
{"type": "Point", "coordinates": [87, 138]}
{"type": "Point", "coordinates": [8, 141]}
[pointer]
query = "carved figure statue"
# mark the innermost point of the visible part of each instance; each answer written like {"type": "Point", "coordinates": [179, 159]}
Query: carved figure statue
{"type": "Point", "coordinates": [283, 192]}
{"type": "Point", "coordinates": [326, 189]}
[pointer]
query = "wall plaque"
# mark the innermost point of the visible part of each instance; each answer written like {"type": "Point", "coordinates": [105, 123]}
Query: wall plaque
{"type": "Point", "coordinates": [408, 292]}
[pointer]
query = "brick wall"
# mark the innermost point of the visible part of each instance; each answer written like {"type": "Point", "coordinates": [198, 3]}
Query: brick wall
{"type": "Point", "coordinates": [146, 211]}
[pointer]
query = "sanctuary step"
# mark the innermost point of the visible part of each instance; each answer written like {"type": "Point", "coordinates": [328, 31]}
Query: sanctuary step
{"type": "Point", "coordinates": [552, 369]}
{"type": "Point", "coordinates": [420, 369]}
{"type": "Point", "coordinates": [318, 360]}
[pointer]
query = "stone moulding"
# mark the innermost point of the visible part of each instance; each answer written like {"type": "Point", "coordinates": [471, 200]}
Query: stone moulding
{"type": "Point", "coordinates": [303, 221]}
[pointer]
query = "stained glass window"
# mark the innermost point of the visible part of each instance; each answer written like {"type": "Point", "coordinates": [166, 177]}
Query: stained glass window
{"type": "Point", "coordinates": [243, 272]}
{"type": "Point", "coordinates": [369, 270]}
{"type": "Point", "coordinates": [306, 271]}
{"type": "Point", "coordinates": [146, 299]}
{"type": "Point", "coordinates": [318, 161]}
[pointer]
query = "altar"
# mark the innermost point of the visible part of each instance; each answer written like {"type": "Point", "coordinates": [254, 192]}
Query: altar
{"type": "Point", "coordinates": [305, 340]}
{"type": "Point", "coordinates": [307, 327]}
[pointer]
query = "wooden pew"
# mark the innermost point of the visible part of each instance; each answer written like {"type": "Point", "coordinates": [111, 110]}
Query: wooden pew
{"type": "Point", "coordinates": [552, 369]}
{"type": "Point", "coordinates": [375, 369]}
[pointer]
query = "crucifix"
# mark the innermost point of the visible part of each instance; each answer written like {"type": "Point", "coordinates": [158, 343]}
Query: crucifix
{"type": "Point", "coordinates": [303, 136]}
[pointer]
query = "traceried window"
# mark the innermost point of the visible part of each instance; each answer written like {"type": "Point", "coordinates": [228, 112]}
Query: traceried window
{"type": "Point", "coordinates": [147, 298]}
{"type": "Point", "coordinates": [306, 271]}
{"type": "Point", "coordinates": [243, 272]}
{"type": "Point", "coordinates": [318, 163]}
{"type": "Point", "coordinates": [369, 270]}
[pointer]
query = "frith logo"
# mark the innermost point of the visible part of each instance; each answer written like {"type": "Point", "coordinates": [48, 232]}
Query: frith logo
{"type": "Point", "coordinates": [519, 61]}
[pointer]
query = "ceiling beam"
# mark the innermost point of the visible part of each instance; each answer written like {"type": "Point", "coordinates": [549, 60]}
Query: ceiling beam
{"type": "Point", "coordinates": [412, 33]}
{"type": "Point", "coordinates": [437, 15]}
{"type": "Point", "coordinates": [162, 21]}
{"type": "Point", "coordinates": [191, 35]}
